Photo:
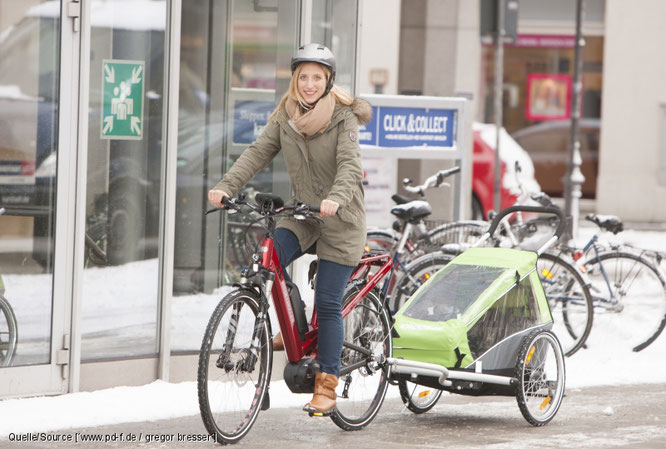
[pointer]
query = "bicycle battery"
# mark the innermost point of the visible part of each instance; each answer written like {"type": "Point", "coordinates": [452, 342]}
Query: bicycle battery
{"type": "Point", "coordinates": [298, 307]}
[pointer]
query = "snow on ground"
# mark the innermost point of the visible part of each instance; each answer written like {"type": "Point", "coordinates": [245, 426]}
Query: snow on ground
{"type": "Point", "coordinates": [598, 365]}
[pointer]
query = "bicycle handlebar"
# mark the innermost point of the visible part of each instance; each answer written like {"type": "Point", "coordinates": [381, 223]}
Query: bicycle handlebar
{"type": "Point", "coordinates": [538, 209]}
{"type": "Point", "coordinates": [267, 207]}
{"type": "Point", "coordinates": [433, 181]}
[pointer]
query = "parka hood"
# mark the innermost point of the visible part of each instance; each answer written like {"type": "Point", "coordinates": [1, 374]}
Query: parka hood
{"type": "Point", "coordinates": [362, 110]}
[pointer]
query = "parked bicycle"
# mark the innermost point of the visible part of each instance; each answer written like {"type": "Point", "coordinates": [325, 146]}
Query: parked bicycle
{"type": "Point", "coordinates": [8, 325]}
{"type": "Point", "coordinates": [410, 237]}
{"type": "Point", "coordinates": [235, 360]}
{"type": "Point", "coordinates": [627, 286]}
{"type": "Point", "coordinates": [417, 252]}
{"type": "Point", "coordinates": [566, 289]}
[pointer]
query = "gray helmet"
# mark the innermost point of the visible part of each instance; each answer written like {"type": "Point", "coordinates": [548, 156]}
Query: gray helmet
{"type": "Point", "coordinates": [315, 53]}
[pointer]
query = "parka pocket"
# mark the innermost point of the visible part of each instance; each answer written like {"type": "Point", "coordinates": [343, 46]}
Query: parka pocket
{"type": "Point", "coordinates": [348, 215]}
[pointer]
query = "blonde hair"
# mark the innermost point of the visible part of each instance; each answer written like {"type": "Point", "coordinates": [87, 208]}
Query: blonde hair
{"type": "Point", "coordinates": [341, 95]}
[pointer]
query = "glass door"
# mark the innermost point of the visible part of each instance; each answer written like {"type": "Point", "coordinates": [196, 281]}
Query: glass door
{"type": "Point", "coordinates": [120, 301]}
{"type": "Point", "coordinates": [235, 57]}
{"type": "Point", "coordinates": [38, 66]}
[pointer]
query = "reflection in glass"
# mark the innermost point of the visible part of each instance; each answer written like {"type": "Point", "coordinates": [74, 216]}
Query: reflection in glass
{"type": "Point", "coordinates": [120, 282]}
{"type": "Point", "coordinates": [29, 69]}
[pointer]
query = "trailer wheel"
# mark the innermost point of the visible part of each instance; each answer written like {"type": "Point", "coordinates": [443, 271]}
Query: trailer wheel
{"type": "Point", "coordinates": [541, 377]}
{"type": "Point", "coordinates": [418, 398]}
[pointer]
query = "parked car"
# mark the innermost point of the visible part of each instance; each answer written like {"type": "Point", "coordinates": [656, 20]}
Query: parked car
{"type": "Point", "coordinates": [483, 170]}
{"type": "Point", "coordinates": [548, 145]}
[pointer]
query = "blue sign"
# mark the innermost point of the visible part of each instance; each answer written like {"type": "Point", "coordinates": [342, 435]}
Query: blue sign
{"type": "Point", "coordinates": [250, 118]}
{"type": "Point", "coordinates": [410, 127]}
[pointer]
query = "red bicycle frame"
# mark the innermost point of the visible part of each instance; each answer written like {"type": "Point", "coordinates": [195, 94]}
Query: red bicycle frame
{"type": "Point", "coordinates": [296, 348]}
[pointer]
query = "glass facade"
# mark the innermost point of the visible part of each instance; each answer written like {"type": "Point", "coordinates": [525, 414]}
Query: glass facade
{"type": "Point", "coordinates": [538, 82]}
{"type": "Point", "coordinates": [29, 78]}
{"type": "Point", "coordinates": [233, 69]}
{"type": "Point", "coordinates": [240, 70]}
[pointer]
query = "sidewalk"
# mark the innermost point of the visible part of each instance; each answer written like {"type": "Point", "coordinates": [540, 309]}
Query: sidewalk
{"type": "Point", "coordinates": [600, 417]}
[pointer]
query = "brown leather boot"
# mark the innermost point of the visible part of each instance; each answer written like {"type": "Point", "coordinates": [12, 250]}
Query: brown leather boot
{"type": "Point", "coordinates": [278, 344]}
{"type": "Point", "coordinates": [324, 394]}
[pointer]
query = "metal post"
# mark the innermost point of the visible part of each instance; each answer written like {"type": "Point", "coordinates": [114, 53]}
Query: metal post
{"type": "Point", "coordinates": [499, 78]}
{"type": "Point", "coordinates": [574, 177]}
{"type": "Point", "coordinates": [168, 187]}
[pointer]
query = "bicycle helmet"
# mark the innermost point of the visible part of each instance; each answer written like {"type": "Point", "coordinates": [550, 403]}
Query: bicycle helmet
{"type": "Point", "coordinates": [315, 53]}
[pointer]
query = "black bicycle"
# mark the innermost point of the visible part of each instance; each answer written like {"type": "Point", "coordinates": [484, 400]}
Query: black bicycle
{"type": "Point", "coordinates": [8, 326]}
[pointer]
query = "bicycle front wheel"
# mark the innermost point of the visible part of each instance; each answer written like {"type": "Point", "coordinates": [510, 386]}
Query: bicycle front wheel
{"type": "Point", "coordinates": [629, 299]}
{"type": "Point", "coordinates": [8, 332]}
{"type": "Point", "coordinates": [363, 375]}
{"type": "Point", "coordinates": [235, 364]}
{"type": "Point", "coordinates": [569, 299]}
{"type": "Point", "coordinates": [415, 275]}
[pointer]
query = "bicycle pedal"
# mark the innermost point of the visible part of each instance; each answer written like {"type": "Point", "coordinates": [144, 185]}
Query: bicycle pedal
{"type": "Point", "coordinates": [314, 413]}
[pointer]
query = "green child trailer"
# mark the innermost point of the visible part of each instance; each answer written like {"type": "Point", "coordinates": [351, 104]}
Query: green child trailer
{"type": "Point", "coordinates": [482, 326]}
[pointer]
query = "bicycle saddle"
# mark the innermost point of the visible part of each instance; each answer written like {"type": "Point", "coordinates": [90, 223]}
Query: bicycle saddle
{"type": "Point", "coordinates": [412, 210]}
{"type": "Point", "coordinates": [608, 222]}
{"type": "Point", "coordinates": [400, 199]}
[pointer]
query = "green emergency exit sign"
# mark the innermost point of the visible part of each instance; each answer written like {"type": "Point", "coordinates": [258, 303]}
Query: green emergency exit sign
{"type": "Point", "coordinates": [122, 99]}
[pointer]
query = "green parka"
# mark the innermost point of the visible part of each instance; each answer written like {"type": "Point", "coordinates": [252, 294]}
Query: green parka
{"type": "Point", "coordinates": [324, 166]}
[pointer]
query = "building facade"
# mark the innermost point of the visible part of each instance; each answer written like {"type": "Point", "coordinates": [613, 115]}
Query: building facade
{"type": "Point", "coordinates": [116, 117]}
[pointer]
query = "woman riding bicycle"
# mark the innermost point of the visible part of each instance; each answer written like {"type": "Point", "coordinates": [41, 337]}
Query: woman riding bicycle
{"type": "Point", "coordinates": [316, 127]}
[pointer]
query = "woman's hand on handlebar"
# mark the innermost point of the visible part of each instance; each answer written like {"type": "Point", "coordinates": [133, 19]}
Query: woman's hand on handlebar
{"type": "Point", "coordinates": [328, 207]}
{"type": "Point", "coordinates": [215, 197]}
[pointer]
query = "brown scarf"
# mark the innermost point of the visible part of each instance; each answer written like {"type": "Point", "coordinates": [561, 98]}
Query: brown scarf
{"type": "Point", "coordinates": [315, 120]}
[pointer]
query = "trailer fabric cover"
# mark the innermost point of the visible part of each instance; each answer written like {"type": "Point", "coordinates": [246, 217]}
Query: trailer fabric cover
{"type": "Point", "coordinates": [482, 285]}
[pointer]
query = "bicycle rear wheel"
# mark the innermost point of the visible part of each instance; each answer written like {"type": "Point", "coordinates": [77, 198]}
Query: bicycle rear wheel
{"type": "Point", "coordinates": [415, 275]}
{"type": "Point", "coordinates": [234, 372]}
{"type": "Point", "coordinates": [468, 231]}
{"type": "Point", "coordinates": [363, 376]}
{"type": "Point", "coordinates": [629, 299]}
{"type": "Point", "coordinates": [569, 299]}
{"type": "Point", "coordinates": [8, 332]}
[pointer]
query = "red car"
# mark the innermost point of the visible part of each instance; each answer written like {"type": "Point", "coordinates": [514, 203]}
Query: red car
{"type": "Point", "coordinates": [483, 171]}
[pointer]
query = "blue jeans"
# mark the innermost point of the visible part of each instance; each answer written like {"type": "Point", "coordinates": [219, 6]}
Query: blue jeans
{"type": "Point", "coordinates": [331, 282]}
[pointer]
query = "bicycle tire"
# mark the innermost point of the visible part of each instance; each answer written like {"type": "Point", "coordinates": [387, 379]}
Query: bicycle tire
{"type": "Point", "coordinates": [417, 398]}
{"type": "Point", "coordinates": [379, 240]}
{"type": "Point", "coordinates": [569, 298]}
{"type": "Point", "coordinates": [467, 231]}
{"type": "Point", "coordinates": [387, 242]}
{"type": "Point", "coordinates": [631, 307]}
{"type": "Point", "coordinates": [8, 333]}
{"type": "Point", "coordinates": [541, 377]}
{"type": "Point", "coordinates": [361, 391]}
{"type": "Point", "coordinates": [231, 389]}
{"type": "Point", "coordinates": [416, 274]}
